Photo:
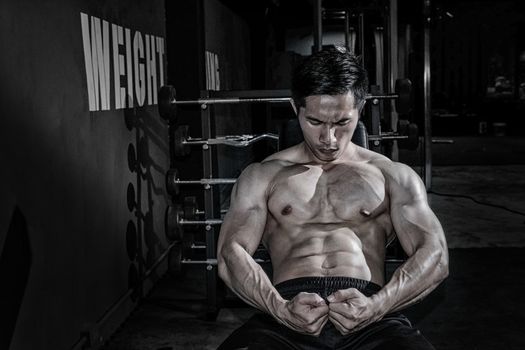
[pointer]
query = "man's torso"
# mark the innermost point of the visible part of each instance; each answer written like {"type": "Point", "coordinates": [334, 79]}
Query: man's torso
{"type": "Point", "coordinates": [328, 220]}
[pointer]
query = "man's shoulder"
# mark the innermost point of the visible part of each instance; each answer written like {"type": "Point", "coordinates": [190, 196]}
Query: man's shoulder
{"type": "Point", "coordinates": [392, 170]}
{"type": "Point", "coordinates": [375, 159]}
{"type": "Point", "coordinates": [262, 173]}
{"type": "Point", "coordinates": [401, 181]}
{"type": "Point", "coordinates": [283, 157]}
{"type": "Point", "coordinates": [265, 170]}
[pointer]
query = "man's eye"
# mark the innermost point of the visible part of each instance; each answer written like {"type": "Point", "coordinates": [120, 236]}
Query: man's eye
{"type": "Point", "coordinates": [343, 122]}
{"type": "Point", "coordinates": [314, 122]}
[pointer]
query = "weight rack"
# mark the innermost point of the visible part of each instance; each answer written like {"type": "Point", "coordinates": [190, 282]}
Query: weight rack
{"type": "Point", "coordinates": [212, 210]}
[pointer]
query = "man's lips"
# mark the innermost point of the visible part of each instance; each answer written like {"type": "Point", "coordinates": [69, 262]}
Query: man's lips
{"type": "Point", "coordinates": [328, 151]}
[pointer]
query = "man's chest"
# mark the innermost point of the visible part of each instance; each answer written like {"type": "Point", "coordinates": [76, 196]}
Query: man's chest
{"type": "Point", "coordinates": [328, 195]}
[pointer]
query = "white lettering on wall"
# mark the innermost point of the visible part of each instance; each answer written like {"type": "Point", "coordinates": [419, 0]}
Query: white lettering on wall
{"type": "Point", "coordinates": [138, 52]}
{"type": "Point", "coordinates": [129, 69]}
{"type": "Point", "coordinates": [119, 67]}
{"type": "Point", "coordinates": [151, 70]}
{"type": "Point", "coordinates": [138, 65]}
{"type": "Point", "coordinates": [160, 52]}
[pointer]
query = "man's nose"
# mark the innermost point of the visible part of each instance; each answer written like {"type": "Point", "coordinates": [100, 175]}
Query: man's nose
{"type": "Point", "coordinates": [327, 135]}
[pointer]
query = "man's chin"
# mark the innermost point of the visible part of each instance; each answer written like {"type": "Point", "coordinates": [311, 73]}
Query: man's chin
{"type": "Point", "coordinates": [327, 156]}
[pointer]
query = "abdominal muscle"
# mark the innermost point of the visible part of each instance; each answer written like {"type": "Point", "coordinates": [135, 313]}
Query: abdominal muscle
{"type": "Point", "coordinates": [311, 252]}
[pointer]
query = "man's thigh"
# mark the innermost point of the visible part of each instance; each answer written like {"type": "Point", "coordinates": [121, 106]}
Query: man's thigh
{"type": "Point", "coordinates": [390, 333]}
{"type": "Point", "coordinates": [263, 332]}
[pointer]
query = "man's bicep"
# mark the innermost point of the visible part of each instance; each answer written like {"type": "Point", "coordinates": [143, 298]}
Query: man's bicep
{"type": "Point", "coordinates": [243, 227]}
{"type": "Point", "coordinates": [415, 225]}
{"type": "Point", "coordinates": [414, 221]}
{"type": "Point", "coordinates": [244, 223]}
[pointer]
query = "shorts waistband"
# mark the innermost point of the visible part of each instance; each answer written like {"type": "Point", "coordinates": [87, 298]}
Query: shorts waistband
{"type": "Point", "coordinates": [324, 286]}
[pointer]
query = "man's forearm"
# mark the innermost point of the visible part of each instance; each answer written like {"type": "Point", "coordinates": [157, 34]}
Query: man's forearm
{"type": "Point", "coordinates": [413, 280]}
{"type": "Point", "coordinates": [248, 280]}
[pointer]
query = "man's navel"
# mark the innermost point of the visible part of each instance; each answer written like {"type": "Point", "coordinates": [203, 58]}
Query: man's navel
{"type": "Point", "coordinates": [328, 264]}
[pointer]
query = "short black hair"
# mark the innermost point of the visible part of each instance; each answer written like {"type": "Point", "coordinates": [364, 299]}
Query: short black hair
{"type": "Point", "coordinates": [331, 71]}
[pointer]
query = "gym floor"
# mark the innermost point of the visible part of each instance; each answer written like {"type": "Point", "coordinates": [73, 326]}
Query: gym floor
{"type": "Point", "coordinates": [480, 306]}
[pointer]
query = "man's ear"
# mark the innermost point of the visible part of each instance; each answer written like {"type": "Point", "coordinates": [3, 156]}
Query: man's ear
{"type": "Point", "coordinates": [361, 107]}
{"type": "Point", "coordinates": [294, 107]}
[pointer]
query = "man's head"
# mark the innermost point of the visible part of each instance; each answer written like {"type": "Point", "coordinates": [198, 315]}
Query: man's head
{"type": "Point", "coordinates": [332, 71]}
{"type": "Point", "coordinates": [329, 90]}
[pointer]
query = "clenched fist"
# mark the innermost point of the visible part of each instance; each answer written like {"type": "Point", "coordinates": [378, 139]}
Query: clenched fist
{"type": "Point", "coordinates": [350, 310]}
{"type": "Point", "coordinates": [306, 313]}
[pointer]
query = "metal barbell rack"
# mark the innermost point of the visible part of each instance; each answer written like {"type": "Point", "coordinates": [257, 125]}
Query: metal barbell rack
{"type": "Point", "coordinates": [210, 101]}
{"type": "Point", "coordinates": [233, 140]}
{"type": "Point", "coordinates": [200, 222]}
{"type": "Point", "coordinates": [211, 207]}
{"type": "Point", "coordinates": [206, 182]}
{"type": "Point", "coordinates": [213, 262]}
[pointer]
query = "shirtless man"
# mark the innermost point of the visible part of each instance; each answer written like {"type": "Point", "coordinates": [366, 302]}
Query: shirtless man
{"type": "Point", "coordinates": [325, 209]}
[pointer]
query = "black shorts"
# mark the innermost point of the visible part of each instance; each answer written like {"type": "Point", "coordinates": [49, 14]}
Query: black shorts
{"type": "Point", "coordinates": [262, 331]}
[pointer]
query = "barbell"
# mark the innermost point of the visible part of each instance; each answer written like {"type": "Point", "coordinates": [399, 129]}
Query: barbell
{"type": "Point", "coordinates": [167, 99]}
{"type": "Point", "coordinates": [407, 135]}
{"type": "Point", "coordinates": [173, 182]}
{"type": "Point", "coordinates": [175, 219]}
{"type": "Point", "coordinates": [176, 260]}
{"type": "Point", "coordinates": [402, 96]}
{"type": "Point", "coordinates": [182, 142]}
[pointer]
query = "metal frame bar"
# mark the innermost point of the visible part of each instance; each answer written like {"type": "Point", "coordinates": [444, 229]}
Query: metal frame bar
{"type": "Point", "coordinates": [426, 93]}
{"type": "Point", "coordinates": [209, 101]}
{"type": "Point", "coordinates": [250, 93]}
{"type": "Point", "coordinates": [234, 100]}
{"type": "Point", "coordinates": [375, 121]}
{"type": "Point", "coordinates": [206, 181]}
{"type": "Point", "coordinates": [209, 209]}
{"type": "Point", "coordinates": [234, 140]}
{"type": "Point", "coordinates": [200, 222]}
{"type": "Point", "coordinates": [318, 25]}
{"type": "Point", "coordinates": [347, 30]}
{"type": "Point", "coordinates": [361, 26]}
{"type": "Point", "coordinates": [393, 69]}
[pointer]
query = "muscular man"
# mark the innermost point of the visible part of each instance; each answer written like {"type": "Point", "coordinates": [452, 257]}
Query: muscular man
{"type": "Point", "coordinates": [325, 209]}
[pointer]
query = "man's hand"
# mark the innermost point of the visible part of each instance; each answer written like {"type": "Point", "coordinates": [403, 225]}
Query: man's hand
{"type": "Point", "coordinates": [306, 313]}
{"type": "Point", "coordinates": [351, 310]}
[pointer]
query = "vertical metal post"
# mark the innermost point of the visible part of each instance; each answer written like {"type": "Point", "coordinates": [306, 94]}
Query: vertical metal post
{"type": "Point", "coordinates": [209, 206]}
{"type": "Point", "coordinates": [347, 30]}
{"type": "Point", "coordinates": [318, 25]}
{"type": "Point", "coordinates": [393, 70]}
{"type": "Point", "coordinates": [408, 45]}
{"type": "Point", "coordinates": [375, 118]}
{"type": "Point", "coordinates": [362, 37]}
{"type": "Point", "coordinates": [426, 93]}
{"type": "Point", "coordinates": [380, 54]}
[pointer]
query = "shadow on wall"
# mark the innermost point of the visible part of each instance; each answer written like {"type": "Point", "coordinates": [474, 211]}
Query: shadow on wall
{"type": "Point", "coordinates": [15, 266]}
{"type": "Point", "coordinates": [140, 161]}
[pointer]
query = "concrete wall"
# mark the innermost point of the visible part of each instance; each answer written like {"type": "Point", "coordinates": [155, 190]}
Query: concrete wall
{"type": "Point", "coordinates": [82, 192]}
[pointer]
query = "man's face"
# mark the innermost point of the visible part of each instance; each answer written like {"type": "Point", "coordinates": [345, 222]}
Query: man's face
{"type": "Point", "coordinates": [328, 123]}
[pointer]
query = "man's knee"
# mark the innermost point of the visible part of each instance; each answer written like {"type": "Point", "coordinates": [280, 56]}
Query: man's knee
{"type": "Point", "coordinates": [406, 338]}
